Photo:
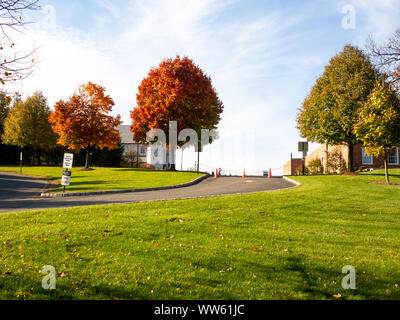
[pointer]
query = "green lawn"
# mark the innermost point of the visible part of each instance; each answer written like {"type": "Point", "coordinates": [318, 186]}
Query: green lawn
{"type": "Point", "coordinates": [106, 179]}
{"type": "Point", "coordinates": [289, 244]}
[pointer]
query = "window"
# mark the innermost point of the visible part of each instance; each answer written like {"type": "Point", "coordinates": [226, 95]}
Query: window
{"type": "Point", "coordinates": [366, 159]}
{"type": "Point", "coordinates": [142, 150]}
{"type": "Point", "coordinates": [393, 157]}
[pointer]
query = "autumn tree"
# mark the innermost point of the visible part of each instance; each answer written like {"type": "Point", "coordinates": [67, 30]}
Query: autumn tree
{"type": "Point", "coordinates": [15, 63]}
{"type": "Point", "coordinates": [177, 90]}
{"type": "Point", "coordinates": [84, 121]}
{"type": "Point", "coordinates": [387, 58]}
{"type": "Point", "coordinates": [329, 112]}
{"type": "Point", "coordinates": [7, 152]}
{"type": "Point", "coordinates": [27, 125]}
{"type": "Point", "coordinates": [5, 101]}
{"type": "Point", "coordinates": [378, 126]}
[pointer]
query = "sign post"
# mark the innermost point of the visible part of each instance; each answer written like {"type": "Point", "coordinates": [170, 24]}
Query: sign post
{"type": "Point", "coordinates": [67, 164]}
{"type": "Point", "coordinates": [68, 160]}
{"type": "Point", "coordinates": [303, 147]}
{"type": "Point", "coordinates": [66, 179]}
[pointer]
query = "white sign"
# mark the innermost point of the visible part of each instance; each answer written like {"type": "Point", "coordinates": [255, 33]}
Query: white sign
{"type": "Point", "coordinates": [66, 178]}
{"type": "Point", "coordinates": [68, 160]}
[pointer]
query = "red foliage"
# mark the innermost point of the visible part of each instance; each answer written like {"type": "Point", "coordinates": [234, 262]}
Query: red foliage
{"type": "Point", "coordinates": [83, 121]}
{"type": "Point", "coordinates": [177, 90]}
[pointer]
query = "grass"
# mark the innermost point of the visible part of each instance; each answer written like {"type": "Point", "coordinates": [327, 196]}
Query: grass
{"type": "Point", "coordinates": [289, 244]}
{"type": "Point", "coordinates": [106, 179]}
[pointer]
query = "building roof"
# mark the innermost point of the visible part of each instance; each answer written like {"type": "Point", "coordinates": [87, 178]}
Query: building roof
{"type": "Point", "coordinates": [126, 134]}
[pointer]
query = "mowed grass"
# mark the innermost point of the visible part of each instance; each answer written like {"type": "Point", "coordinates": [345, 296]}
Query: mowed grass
{"type": "Point", "coordinates": [107, 179]}
{"type": "Point", "coordinates": [289, 244]}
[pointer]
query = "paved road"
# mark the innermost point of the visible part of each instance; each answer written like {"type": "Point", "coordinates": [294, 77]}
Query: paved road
{"type": "Point", "coordinates": [16, 187]}
{"type": "Point", "coordinates": [21, 193]}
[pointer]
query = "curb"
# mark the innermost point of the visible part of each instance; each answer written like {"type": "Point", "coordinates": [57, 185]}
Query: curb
{"type": "Point", "coordinates": [95, 193]}
{"type": "Point", "coordinates": [292, 181]}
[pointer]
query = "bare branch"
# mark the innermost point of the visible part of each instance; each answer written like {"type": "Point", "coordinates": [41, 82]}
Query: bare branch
{"type": "Point", "coordinates": [14, 65]}
{"type": "Point", "coordinates": [387, 58]}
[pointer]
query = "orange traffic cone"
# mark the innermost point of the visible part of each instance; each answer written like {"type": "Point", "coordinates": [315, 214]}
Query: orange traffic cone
{"type": "Point", "coordinates": [244, 173]}
{"type": "Point", "coordinates": [270, 174]}
{"type": "Point", "coordinates": [216, 174]}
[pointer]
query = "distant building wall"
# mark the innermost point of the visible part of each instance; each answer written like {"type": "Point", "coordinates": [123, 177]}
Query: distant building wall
{"type": "Point", "coordinates": [322, 153]}
{"type": "Point", "coordinates": [290, 167]}
{"type": "Point", "coordinates": [359, 157]}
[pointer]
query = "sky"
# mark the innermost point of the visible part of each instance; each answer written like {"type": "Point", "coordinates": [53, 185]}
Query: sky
{"type": "Point", "coordinates": [263, 57]}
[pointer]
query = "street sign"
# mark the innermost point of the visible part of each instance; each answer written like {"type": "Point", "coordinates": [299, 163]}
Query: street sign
{"type": "Point", "coordinates": [303, 146]}
{"type": "Point", "coordinates": [68, 160]}
{"type": "Point", "coordinates": [66, 178]}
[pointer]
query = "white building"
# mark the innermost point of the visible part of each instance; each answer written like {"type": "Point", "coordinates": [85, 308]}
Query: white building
{"type": "Point", "coordinates": [138, 154]}
{"type": "Point", "coordinates": [134, 153]}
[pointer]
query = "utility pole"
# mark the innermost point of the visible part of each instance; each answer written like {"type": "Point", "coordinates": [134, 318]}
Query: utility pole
{"type": "Point", "coordinates": [199, 149]}
{"type": "Point", "coordinates": [20, 160]}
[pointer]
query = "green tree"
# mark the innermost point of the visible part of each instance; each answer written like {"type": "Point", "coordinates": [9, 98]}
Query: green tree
{"type": "Point", "coordinates": [5, 102]}
{"type": "Point", "coordinates": [27, 125]}
{"type": "Point", "coordinates": [330, 110]}
{"type": "Point", "coordinates": [378, 127]}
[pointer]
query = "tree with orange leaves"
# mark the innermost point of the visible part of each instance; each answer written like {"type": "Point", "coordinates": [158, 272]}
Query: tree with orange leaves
{"type": "Point", "coordinates": [83, 122]}
{"type": "Point", "coordinates": [178, 90]}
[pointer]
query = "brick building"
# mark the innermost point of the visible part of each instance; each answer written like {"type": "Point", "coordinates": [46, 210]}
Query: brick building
{"type": "Point", "coordinates": [290, 167]}
{"type": "Point", "coordinates": [360, 158]}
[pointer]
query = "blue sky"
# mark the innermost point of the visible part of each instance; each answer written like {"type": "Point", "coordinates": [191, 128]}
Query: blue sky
{"type": "Point", "coordinates": [263, 57]}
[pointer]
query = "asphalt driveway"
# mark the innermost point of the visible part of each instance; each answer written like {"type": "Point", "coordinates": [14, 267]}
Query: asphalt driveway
{"type": "Point", "coordinates": [16, 187]}
{"type": "Point", "coordinates": [18, 193]}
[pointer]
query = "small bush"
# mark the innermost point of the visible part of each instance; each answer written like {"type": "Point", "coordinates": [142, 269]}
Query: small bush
{"type": "Point", "coordinates": [316, 166]}
{"type": "Point", "coordinates": [299, 171]}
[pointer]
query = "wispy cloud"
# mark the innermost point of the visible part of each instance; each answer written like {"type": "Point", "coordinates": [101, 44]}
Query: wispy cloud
{"type": "Point", "coordinates": [262, 63]}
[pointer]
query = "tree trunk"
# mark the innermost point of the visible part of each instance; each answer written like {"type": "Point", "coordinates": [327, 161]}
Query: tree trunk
{"type": "Point", "coordinates": [87, 159]}
{"type": "Point", "coordinates": [386, 169]}
{"type": "Point", "coordinates": [351, 157]}
{"type": "Point", "coordinates": [170, 166]}
{"type": "Point", "coordinates": [38, 158]}
{"type": "Point", "coordinates": [33, 158]}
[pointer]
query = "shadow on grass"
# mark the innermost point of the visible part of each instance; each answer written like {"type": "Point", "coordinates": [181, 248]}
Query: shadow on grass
{"type": "Point", "coordinates": [134, 170]}
{"type": "Point", "coordinates": [380, 174]}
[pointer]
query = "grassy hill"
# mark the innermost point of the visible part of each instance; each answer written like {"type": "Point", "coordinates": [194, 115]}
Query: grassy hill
{"type": "Point", "coordinates": [289, 244]}
{"type": "Point", "coordinates": [106, 179]}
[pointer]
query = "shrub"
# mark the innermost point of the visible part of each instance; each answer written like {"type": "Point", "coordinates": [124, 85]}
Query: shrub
{"type": "Point", "coordinates": [299, 171]}
{"type": "Point", "coordinates": [316, 166]}
{"type": "Point", "coordinates": [335, 162]}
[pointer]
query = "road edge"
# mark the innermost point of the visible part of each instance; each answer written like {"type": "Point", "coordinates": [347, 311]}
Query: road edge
{"type": "Point", "coordinates": [298, 184]}
{"type": "Point", "coordinates": [95, 193]}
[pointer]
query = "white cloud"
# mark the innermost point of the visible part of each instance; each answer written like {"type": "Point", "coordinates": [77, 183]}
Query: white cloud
{"type": "Point", "coordinates": [253, 61]}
